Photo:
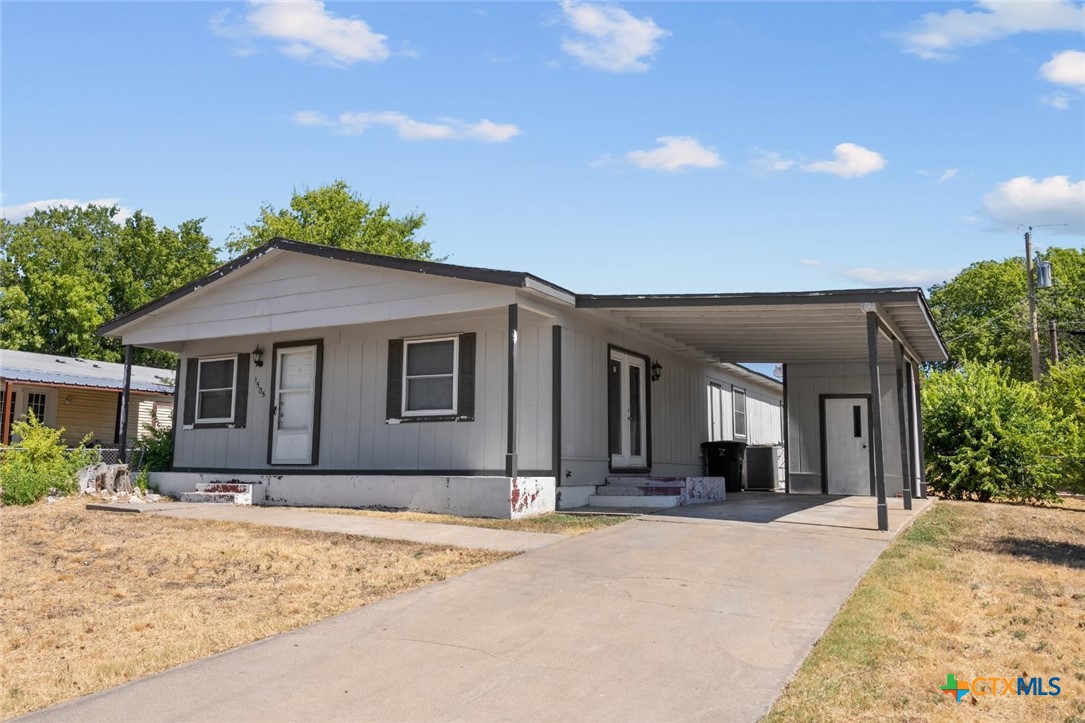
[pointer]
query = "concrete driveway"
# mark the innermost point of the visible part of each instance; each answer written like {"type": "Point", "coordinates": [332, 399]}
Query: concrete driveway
{"type": "Point", "coordinates": [702, 613]}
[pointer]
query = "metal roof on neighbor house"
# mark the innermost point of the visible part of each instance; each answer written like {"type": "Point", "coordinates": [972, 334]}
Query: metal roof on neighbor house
{"type": "Point", "coordinates": [49, 369]}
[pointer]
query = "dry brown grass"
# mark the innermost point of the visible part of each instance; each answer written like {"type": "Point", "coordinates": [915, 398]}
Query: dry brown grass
{"type": "Point", "coordinates": [556, 523]}
{"type": "Point", "coordinates": [978, 590]}
{"type": "Point", "coordinates": [89, 600]}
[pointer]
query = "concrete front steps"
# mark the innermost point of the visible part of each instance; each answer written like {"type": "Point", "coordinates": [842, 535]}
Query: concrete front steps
{"type": "Point", "coordinates": [232, 493]}
{"type": "Point", "coordinates": [656, 492]}
{"type": "Point", "coordinates": [644, 492]}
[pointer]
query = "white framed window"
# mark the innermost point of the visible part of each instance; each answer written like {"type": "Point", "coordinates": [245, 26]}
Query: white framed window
{"type": "Point", "coordinates": [430, 376]}
{"type": "Point", "coordinates": [738, 397]}
{"type": "Point", "coordinates": [216, 389]}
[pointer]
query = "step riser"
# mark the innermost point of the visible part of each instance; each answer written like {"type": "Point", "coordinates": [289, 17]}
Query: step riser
{"type": "Point", "coordinates": [646, 491]}
{"type": "Point", "coordinates": [648, 501]}
{"type": "Point", "coordinates": [241, 493]}
{"type": "Point", "coordinates": [210, 497]}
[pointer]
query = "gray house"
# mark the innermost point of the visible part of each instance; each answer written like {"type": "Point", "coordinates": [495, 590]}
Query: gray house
{"type": "Point", "coordinates": [328, 377]}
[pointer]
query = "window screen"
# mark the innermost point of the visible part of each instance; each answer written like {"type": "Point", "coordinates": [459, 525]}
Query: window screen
{"type": "Point", "coordinates": [429, 377]}
{"type": "Point", "coordinates": [215, 390]}
{"type": "Point", "coordinates": [740, 412]}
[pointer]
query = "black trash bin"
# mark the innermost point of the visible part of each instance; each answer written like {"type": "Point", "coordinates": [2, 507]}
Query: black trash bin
{"type": "Point", "coordinates": [724, 459]}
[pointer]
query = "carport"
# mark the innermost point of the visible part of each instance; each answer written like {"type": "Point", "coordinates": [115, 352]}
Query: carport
{"type": "Point", "coordinates": [851, 373]}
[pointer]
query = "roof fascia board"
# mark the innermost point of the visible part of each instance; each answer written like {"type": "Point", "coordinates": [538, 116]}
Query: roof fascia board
{"type": "Point", "coordinates": [784, 298]}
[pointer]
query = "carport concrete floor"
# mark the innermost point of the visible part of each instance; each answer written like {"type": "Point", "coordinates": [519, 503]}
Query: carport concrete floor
{"type": "Point", "coordinates": [701, 613]}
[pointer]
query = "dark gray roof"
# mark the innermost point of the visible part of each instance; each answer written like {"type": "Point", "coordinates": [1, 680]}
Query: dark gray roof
{"type": "Point", "coordinates": [24, 366]}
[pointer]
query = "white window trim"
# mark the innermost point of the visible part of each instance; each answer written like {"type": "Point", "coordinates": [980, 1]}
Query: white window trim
{"type": "Point", "coordinates": [745, 413]}
{"type": "Point", "coordinates": [455, 339]}
{"type": "Point", "coordinates": [232, 388]}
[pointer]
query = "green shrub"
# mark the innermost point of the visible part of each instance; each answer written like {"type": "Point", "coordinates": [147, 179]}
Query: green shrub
{"type": "Point", "coordinates": [157, 450]}
{"type": "Point", "coordinates": [988, 436]}
{"type": "Point", "coordinates": [41, 462]}
{"type": "Point", "coordinates": [1062, 391]}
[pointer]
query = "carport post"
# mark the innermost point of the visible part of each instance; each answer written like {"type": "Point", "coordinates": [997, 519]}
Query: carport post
{"type": "Point", "coordinates": [122, 451]}
{"type": "Point", "coordinates": [878, 469]}
{"type": "Point", "coordinates": [921, 472]}
{"type": "Point", "coordinates": [902, 427]}
{"type": "Point", "coordinates": [511, 464]}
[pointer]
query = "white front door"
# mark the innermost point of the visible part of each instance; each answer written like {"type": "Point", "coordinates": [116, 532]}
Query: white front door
{"type": "Point", "coordinates": [627, 399]}
{"type": "Point", "coordinates": [295, 391]}
{"type": "Point", "coordinates": [847, 446]}
{"type": "Point", "coordinates": [42, 401]}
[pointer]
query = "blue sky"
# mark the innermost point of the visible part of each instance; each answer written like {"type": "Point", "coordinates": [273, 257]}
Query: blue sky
{"type": "Point", "coordinates": [635, 147]}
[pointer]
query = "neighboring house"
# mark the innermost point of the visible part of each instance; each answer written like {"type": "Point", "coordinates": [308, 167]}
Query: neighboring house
{"type": "Point", "coordinates": [329, 377]}
{"type": "Point", "coordinates": [82, 396]}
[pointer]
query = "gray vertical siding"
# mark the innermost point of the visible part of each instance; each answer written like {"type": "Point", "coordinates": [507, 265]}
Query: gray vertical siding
{"type": "Point", "coordinates": [806, 383]}
{"type": "Point", "coordinates": [353, 432]}
{"type": "Point", "coordinates": [679, 417]}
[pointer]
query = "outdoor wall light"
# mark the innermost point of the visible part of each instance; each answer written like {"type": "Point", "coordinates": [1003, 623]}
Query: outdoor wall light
{"type": "Point", "coordinates": [258, 356]}
{"type": "Point", "coordinates": [657, 371]}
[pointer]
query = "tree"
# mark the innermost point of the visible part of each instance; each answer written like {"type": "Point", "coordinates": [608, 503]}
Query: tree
{"type": "Point", "coordinates": [983, 310]}
{"type": "Point", "coordinates": [65, 271]}
{"type": "Point", "coordinates": [333, 215]}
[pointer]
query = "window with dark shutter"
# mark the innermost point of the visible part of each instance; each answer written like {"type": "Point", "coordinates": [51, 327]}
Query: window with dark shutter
{"type": "Point", "coordinates": [431, 379]}
{"type": "Point", "coordinates": [216, 391]}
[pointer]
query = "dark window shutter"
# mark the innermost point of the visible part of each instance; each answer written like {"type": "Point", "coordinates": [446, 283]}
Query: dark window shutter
{"type": "Point", "coordinates": [241, 398]}
{"type": "Point", "coordinates": [466, 403]}
{"type": "Point", "coordinates": [191, 368]}
{"type": "Point", "coordinates": [395, 379]}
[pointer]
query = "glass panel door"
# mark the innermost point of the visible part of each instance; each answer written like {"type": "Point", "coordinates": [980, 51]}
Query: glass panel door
{"type": "Point", "coordinates": [628, 410]}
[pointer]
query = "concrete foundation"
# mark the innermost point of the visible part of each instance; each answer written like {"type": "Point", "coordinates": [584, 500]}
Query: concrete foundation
{"type": "Point", "coordinates": [499, 497]}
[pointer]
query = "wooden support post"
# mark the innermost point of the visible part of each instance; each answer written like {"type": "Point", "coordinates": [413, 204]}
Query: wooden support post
{"type": "Point", "coordinates": [122, 451]}
{"type": "Point", "coordinates": [877, 470]}
{"type": "Point", "coordinates": [9, 400]}
{"type": "Point", "coordinates": [511, 465]}
{"type": "Point", "coordinates": [787, 436]}
{"type": "Point", "coordinates": [921, 472]}
{"type": "Point", "coordinates": [902, 427]}
{"type": "Point", "coordinates": [913, 440]}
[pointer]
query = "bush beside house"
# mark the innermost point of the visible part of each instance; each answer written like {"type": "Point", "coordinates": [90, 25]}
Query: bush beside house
{"type": "Point", "coordinates": [990, 436]}
{"type": "Point", "coordinates": [40, 464]}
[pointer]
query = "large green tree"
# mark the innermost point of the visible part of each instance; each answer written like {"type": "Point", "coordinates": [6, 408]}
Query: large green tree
{"type": "Point", "coordinates": [65, 271]}
{"type": "Point", "coordinates": [983, 310]}
{"type": "Point", "coordinates": [333, 215]}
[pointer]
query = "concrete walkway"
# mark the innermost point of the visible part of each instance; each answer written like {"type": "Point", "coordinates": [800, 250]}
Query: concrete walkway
{"type": "Point", "coordinates": [676, 617]}
{"type": "Point", "coordinates": [430, 533]}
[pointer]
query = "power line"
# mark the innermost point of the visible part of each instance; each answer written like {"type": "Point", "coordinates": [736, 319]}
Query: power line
{"type": "Point", "coordinates": [988, 322]}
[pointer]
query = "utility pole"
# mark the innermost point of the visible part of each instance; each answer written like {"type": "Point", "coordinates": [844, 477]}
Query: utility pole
{"type": "Point", "coordinates": [1053, 337]}
{"type": "Point", "coordinates": [1033, 334]}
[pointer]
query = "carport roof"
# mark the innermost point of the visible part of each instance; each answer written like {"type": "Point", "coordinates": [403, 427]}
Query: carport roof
{"type": "Point", "coordinates": [778, 327]}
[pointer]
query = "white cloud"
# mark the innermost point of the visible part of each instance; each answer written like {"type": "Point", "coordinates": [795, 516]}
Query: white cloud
{"type": "Point", "coordinates": [1066, 68]}
{"type": "Point", "coordinates": [767, 162]}
{"type": "Point", "coordinates": [610, 38]}
{"type": "Point", "coordinates": [305, 30]}
{"type": "Point", "coordinates": [849, 161]}
{"type": "Point", "coordinates": [409, 129]}
{"type": "Point", "coordinates": [18, 212]}
{"type": "Point", "coordinates": [675, 153]}
{"type": "Point", "coordinates": [936, 35]}
{"type": "Point", "coordinates": [1057, 100]}
{"type": "Point", "coordinates": [898, 277]}
{"type": "Point", "coordinates": [948, 175]}
{"type": "Point", "coordinates": [1026, 200]}
{"type": "Point", "coordinates": [310, 118]}
{"type": "Point", "coordinates": [813, 263]}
